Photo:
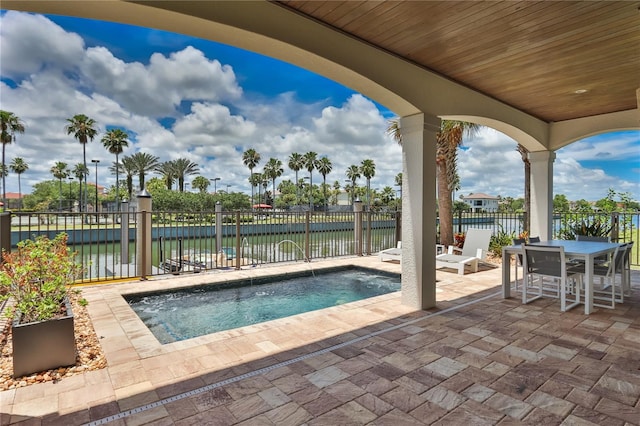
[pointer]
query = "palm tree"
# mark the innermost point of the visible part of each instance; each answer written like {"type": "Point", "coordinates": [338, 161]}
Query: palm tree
{"type": "Point", "coordinates": [83, 129]}
{"type": "Point", "coordinates": [168, 173]}
{"type": "Point", "coordinates": [80, 171]}
{"type": "Point", "coordinates": [143, 164]}
{"type": "Point", "coordinates": [310, 165]}
{"type": "Point", "coordinates": [353, 173]}
{"type": "Point", "coordinates": [255, 180]}
{"type": "Point", "coordinates": [10, 124]}
{"type": "Point", "coordinates": [368, 170]}
{"type": "Point", "coordinates": [200, 183]}
{"type": "Point", "coordinates": [393, 130]}
{"type": "Point", "coordinates": [448, 139]}
{"type": "Point", "coordinates": [183, 168]}
{"type": "Point", "coordinates": [524, 153]}
{"type": "Point", "coordinates": [324, 167]}
{"type": "Point", "coordinates": [18, 166]}
{"type": "Point", "coordinates": [251, 159]}
{"type": "Point", "coordinates": [130, 168]}
{"type": "Point", "coordinates": [115, 141]}
{"type": "Point", "coordinates": [59, 171]}
{"type": "Point", "coordinates": [273, 170]}
{"type": "Point", "coordinates": [296, 163]}
{"type": "Point", "coordinates": [335, 192]}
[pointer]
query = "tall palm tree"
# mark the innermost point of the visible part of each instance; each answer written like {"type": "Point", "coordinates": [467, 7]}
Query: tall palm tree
{"type": "Point", "coordinates": [524, 153]}
{"type": "Point", "coordinates": [324, 168]}
{"type": "Point", "coordinates": [144, 163]}
{"type": "Point", "coordinates": [255, 180]}
{"type": "Point", "coordinates": [10, 124]}
{"type": "Point", "coordinates": [130, 168]}
{"type": "Point", "coordinates": [368, 170]}
{"type": "Point", "coordinates": [353, 173]}
{"type": "Point", "coordinates": [183, 168]}
{"type": "Point", "coordinates": [310, 164]}
{"type": "Point", "coordinates": [59, 171]}
{"type": "Point", "coordinates": [80, 171]}
{"type": "Point", "coordinates": [18, 166]}
{"type": "Point", "coordinates": [296, 163]}
{"type": "Point", "coordinates": [115, 141]}
{"type": "Point", "coordinates": [83, 129]}
{"type": "Point", "coordinates": [251, 159]}
{"type": "Point", "coordinates": [335, 192]}
{"type": "Point", "coordinates": [168, 173]}
{"type": "Point", "coordinates": [448, 139]}
{"type": "Point", "coordinates": [273, 170]}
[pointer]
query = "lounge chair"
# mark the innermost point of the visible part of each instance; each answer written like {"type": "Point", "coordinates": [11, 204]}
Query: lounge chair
{"type": "Point", "coordinates": [476, 245]}
{"type": "Point", "coordinates": [392, 253]}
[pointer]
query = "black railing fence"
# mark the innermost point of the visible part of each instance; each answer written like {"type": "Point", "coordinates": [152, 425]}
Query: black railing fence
{"type": "Point", "coordinates": [138, 243]}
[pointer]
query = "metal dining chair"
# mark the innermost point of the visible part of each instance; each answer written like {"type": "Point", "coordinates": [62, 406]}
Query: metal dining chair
{"type": "Point", "coordinates": [609, 290]}
{"type": "Point", "coordinates": [547, 267]}
{"type": "Point", "coordinates": [517, 242]}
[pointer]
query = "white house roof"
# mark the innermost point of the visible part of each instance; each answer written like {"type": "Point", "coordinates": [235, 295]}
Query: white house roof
{"type": "Point", "coordinates": [480, 195]}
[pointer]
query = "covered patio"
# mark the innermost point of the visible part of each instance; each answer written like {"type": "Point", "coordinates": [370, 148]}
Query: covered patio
{"type": "Point", "coordinates": [477, 358]}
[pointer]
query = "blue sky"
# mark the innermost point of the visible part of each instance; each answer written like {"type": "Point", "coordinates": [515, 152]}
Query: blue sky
{"type": "Point", "coordinates": [179, 96]}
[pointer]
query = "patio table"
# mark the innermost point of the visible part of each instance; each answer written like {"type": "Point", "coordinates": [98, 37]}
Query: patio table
{"type": "Point", "coordinates": [585, 250]}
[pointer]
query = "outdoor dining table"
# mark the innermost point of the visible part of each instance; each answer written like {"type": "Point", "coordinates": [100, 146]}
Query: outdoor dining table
{"type": "Point", "coordinates": [584, 250]}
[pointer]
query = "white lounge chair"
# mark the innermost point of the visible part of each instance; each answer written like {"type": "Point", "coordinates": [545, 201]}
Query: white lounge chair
{"type": "Point", "coordinates": [392, 253]}
{"type": "Point", "coordinates": [476, 245]}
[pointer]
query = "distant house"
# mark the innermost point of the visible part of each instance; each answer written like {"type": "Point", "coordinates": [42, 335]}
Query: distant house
{"type": "Point", "coordinates": [13, 200]}
{"type": "Point", "coordinates": [480, 202]}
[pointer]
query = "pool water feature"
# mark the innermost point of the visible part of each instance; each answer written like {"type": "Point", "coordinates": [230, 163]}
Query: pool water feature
{"type": "Point", "coordinates": [190, 312]}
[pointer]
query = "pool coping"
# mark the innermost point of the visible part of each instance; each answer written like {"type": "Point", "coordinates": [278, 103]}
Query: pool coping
{"type": "Point", "coordinates": [114, 319]}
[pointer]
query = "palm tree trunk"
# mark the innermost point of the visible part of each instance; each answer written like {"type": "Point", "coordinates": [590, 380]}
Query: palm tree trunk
{"type": "Point", "coordinates": [4, 183]}
{"type": "Point", "coordinates": [60, 196]}
{"type": "Point", "coordinates": [444, 207]}
{"type": "Point", "coordinates": [84, 172]}
{"type": "Point", "coordinates": [117, 185]}
{"type": "Point", "coordinates": [19, 193]}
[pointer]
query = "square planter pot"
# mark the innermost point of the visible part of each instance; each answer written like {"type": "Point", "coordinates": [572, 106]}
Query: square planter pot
{"type": "Point", "coordinates": [43, 345]}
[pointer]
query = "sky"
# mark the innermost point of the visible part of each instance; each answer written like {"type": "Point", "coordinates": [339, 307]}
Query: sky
{"type": "Point", "coordinates": [182, 97]}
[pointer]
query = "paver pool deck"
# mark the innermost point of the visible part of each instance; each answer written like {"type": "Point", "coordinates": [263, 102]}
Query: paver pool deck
{"type": "Point", "coordinates": [476, 359]}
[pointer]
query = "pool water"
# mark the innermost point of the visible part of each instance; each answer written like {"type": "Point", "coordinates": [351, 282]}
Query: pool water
{"type": "Point", "coordinates": [196, 311]}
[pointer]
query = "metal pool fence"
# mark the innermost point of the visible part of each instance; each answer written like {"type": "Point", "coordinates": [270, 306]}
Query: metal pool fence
{"type": "Point", "coordinates": [134, 243]}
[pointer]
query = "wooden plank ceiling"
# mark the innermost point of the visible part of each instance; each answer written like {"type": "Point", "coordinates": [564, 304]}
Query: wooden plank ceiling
{"type": "Point", "coordinates": [538, 56]}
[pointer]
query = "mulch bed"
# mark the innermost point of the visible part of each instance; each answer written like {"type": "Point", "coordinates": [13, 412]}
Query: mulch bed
{"type": "Point", "coordinates": [89, 354]}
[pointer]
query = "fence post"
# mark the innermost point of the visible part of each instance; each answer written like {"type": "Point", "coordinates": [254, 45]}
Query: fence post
{"type": "Point", "coordinates": [615, 226]}
{"type": "Point", "coordinates": [219, 227]}
{"type": "Point", "coordinates": [357, 226]}
{"type": "Point", "coordinates": [398, 227]}
{"type": "Point", "coordinates": [459, 221]}
{"type": "Point", "coordinates": [124, 231]}
{"type": "Point", "coordinates": [368, 239]}
{"type": "Point", "coordinates": [307, 236]}
{"type": "Point", "coordinates": [238, 241]}
{"type": "Point", "coordinates": [5, 234]}
{"type": "Point", "coordinates": [143, 235]}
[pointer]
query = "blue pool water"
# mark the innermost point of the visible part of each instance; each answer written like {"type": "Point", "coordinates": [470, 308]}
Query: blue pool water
{"type": "Point", "coordinates": [196, 311]}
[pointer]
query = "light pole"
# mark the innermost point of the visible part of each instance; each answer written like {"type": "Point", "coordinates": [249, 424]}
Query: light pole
{"type": "Point", "coordinates": [95, 209]}
{"type": "Point", "coordinates": [70, 194]}
{"type": "Point", "coordinates": [215, 187]}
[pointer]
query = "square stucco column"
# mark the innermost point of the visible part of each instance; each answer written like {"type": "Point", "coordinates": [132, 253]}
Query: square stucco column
{"type": "Point", "coordinates": [541, 193]}
{"type": "Point", "coordinates": [419, 210]}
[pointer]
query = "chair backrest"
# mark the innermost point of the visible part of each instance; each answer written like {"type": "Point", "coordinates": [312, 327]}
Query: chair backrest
{"type": "Point", "coordinates": [518, 242]}
{"type": "Point", "coordinates": [593, 238]}
{"type": "Point", "coordinates": [474, 240]}
{"type": "Point", "coordinates": [534, 239]}
{"type": "Point", "coordinates": [544, 260]}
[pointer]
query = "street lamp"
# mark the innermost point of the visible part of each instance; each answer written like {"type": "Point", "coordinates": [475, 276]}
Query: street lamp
{"type": "Point", "coordinates": [96, 163]}
{"type": "Point", "coordinates": [215, 188]}
{"type": "Point", "coordinates": [70, 194]}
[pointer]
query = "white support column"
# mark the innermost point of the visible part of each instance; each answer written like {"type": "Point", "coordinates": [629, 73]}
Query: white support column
{"type": "Point", "coordinates": [419, 210]}
{"type": "Point", "coordinates": [542, 193]}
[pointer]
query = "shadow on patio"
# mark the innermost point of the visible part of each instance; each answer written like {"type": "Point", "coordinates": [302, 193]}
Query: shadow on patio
{"type": "Point", "coordinates": [476, 359]}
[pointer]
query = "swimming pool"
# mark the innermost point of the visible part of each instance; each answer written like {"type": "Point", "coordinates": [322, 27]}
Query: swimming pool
{"type": "Point", "coordinates": [196, 311]}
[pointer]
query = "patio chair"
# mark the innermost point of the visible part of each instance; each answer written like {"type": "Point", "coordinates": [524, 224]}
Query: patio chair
{"type": "Point", "coordinates": [609, 290]}
{"type": "Point", "coordinates": [517, 242]}
{"type": "Point", "coordinates": [474, 249]}
{"type": "Point", "coordinates": [547, 267]}
{"type": "Point", "coordinates": [391, 253]}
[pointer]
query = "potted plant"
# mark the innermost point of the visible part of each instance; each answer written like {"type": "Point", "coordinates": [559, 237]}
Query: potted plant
{"type": "Point", "coordinates": [36, 280]}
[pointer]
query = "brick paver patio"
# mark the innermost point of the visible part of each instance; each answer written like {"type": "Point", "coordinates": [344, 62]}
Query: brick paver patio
{"type": "Point", "coordinates": [475, 359]}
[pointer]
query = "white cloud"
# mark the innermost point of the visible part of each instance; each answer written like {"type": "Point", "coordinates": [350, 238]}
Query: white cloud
{"type": "Point", "coordinates": [56, 77]}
